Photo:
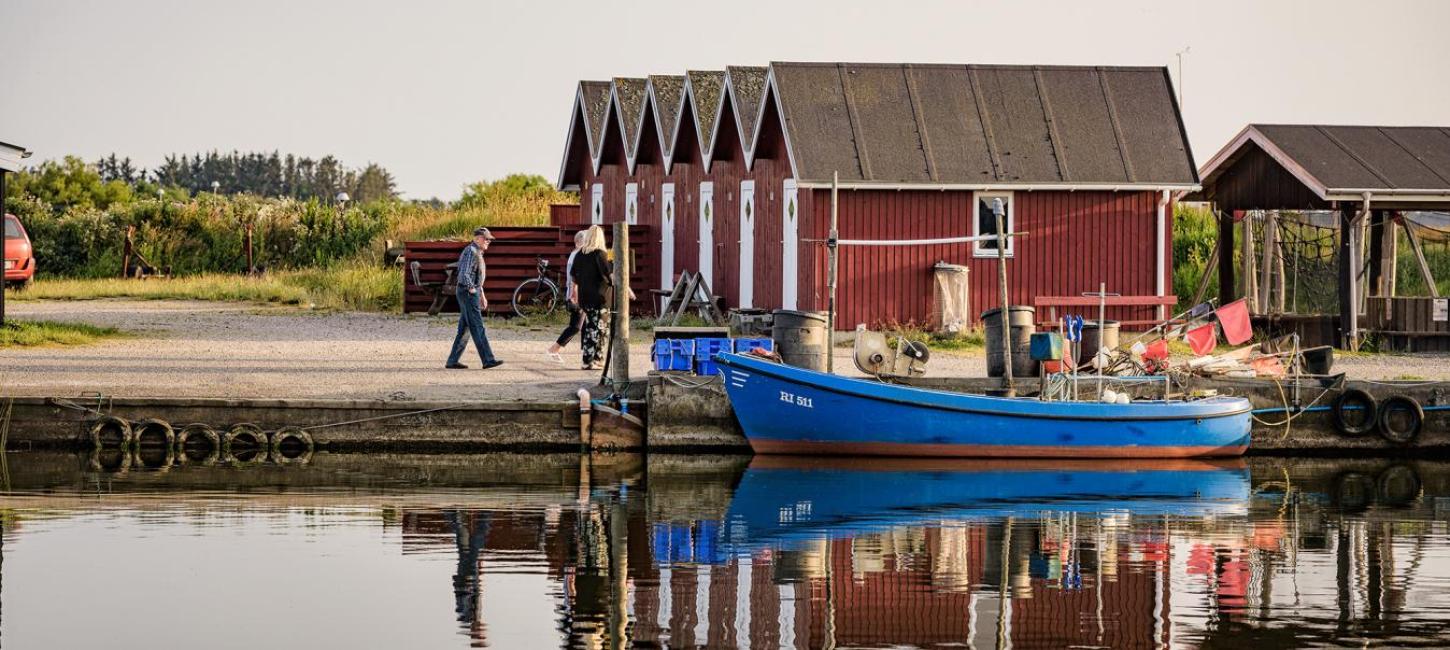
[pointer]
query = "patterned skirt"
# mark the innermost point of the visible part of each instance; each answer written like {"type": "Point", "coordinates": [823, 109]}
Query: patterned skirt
{"type": "Point", "coordinates": [595, 335]}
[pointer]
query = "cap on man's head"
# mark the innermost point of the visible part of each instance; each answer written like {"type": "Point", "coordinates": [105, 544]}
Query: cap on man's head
{"type": "Point", "coordinates": [483, 232]}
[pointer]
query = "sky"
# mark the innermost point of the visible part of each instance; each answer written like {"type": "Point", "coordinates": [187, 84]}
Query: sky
{"type": "Point", "coordinates": [447, 93]}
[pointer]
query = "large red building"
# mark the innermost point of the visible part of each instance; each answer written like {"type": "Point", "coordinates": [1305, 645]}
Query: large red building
{"type": "Point", "coordinates": [732, 169]}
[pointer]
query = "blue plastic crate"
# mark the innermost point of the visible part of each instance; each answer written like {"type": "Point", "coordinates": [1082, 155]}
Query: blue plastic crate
{"type": "Point", "coordinates": [744, 346]}
{"type": "Point", "coordinates": [674, 354]}
{"type": "Point", "coordinates": [705, 351]}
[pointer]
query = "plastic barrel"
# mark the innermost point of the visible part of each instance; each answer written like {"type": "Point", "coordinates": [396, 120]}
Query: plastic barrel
{"type": "Point", "coordinates": [1023, 327]}
{"type": "Point", "coordinates": [1090, 339]}
{"type": "Point", "coordinates": [800, 338]}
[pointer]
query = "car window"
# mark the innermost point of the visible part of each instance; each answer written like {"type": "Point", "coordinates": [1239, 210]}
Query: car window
{"type": "Point", "coordinates": [12, 227]}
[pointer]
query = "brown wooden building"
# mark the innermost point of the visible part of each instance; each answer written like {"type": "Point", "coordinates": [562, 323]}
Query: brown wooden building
{"type": "Point", "coordinates": [1367, 176]}
{"type": "Point", "coordinates": [732, 169]}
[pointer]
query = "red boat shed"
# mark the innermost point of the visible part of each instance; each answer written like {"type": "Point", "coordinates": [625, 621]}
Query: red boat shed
{"type": "Point", "coordinates": [733, 170]}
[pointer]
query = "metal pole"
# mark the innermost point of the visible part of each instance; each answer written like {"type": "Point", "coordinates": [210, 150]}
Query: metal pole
{"type": "Point", "coordinates": [1002, 284]}
{"type": "Point", "coordinates": [831, 273]}
{"type": "Point", "coordinates": [1102, 332]}
{"type": "Point", "coordinates": [619, 338]}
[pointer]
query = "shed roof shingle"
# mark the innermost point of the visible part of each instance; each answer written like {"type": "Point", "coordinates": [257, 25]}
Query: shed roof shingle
{"type": "Point", "coordinates": [988, 124]}
{"type": "Point", "coordinates": [707, 88]}
{"type": "Point", "coordinates": [668, 92]}
{"type": "Point", "coordinates": [595, 98]}
{"type": "Point", "coordinates": [748, 85]}
{"type": "Point", "coordinates": [630, 93]}
{"type": "Point", "coordinates": [1366, 157]}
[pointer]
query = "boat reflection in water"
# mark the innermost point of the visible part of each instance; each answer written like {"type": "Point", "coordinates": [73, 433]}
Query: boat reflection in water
{"type": "Point", "coordinates": [562, 550]}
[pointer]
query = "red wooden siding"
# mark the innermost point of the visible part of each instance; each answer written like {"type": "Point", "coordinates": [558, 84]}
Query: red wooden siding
{"type": "Point", "coordinates": [1076, 240]}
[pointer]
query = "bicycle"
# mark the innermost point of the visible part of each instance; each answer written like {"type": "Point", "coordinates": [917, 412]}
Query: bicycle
{"type": "Point", "coordinates": [536, 296]}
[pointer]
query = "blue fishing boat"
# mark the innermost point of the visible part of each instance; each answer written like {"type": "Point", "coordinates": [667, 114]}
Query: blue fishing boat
{"type": "Point", "coordinates": [784, 498]}
{"type": "Point", "coordinates": [789, 410]}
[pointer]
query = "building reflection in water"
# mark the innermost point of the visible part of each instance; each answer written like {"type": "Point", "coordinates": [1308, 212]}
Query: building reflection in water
{"type": "Point", "coordinates": [1280, 566]}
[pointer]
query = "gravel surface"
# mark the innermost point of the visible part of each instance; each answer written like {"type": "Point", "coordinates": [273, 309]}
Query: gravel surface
{"type": "Point", "coordinates": [208, 349]}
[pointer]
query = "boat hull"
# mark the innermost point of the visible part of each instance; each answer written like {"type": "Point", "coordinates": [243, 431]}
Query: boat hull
{"type": "Point", "coordinates": [787, 410]}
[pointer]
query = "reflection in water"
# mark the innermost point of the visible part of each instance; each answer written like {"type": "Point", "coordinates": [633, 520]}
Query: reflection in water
{"type": "Point", "coordinates": [604, 552]}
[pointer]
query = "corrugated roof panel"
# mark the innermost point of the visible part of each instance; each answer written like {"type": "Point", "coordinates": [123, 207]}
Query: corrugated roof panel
{"type": "Point", "coordinates": [817, 120]}
{"type": "Point", "coordinates": [953, 128]}
{"type": "Point", "coordinates": [1319, 155]}
{"type": "Point", "coordinates": [1152, 134]}
{"type": "Point", "coordinates": [1088, 147]}
{"type": "Point", "coordinates": [1384, 157]}
{"type": "Point", "coordinates": [1016, 124]}
{"type": "Point", "coordinates": [890, 144]}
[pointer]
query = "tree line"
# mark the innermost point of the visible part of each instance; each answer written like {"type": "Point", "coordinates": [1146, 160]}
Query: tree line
{"type": "Point", "coordinates": [270, 175]}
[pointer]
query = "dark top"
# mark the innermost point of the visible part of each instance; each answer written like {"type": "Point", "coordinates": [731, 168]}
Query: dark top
{"type": "Point", "coordinates": [592, 273]}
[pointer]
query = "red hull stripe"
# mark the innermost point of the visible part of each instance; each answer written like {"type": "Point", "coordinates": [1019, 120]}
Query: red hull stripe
{"type": "Point", "coordinates": [987, 451]}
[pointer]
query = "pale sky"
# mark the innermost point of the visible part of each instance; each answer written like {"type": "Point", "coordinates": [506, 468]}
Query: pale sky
{"type": "Point", "coordinates": [446, 93]}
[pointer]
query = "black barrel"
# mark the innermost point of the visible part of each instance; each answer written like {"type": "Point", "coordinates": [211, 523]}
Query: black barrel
{"type": "Point", "coordinates": [1092, 341]}
{"type": "Point", "coordinates": [1023, 322]}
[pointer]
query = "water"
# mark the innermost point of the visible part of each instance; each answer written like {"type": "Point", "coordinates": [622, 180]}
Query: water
{"type": "Point", "coordinates": [544, 551]}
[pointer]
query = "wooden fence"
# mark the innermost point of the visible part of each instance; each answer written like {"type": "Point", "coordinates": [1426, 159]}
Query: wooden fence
{"type": "Point", "coordinates": [1410, 324]}
{"type": "Point", "coordinates": [511, 260]}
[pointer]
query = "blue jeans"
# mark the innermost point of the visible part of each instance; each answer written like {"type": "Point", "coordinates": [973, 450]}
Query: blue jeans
{"type": "Point", "coordinates": [470, 322]}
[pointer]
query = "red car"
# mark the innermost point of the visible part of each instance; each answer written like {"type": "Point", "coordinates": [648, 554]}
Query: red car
{"type": "Point", "coordinates": [19, 258]}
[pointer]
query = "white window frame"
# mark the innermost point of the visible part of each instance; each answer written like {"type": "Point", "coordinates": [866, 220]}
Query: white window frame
{"type": "Point", "coordinates": [978, 250]}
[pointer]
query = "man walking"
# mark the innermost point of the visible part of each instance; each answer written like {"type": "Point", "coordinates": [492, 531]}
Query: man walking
{"type": "Point", "coordinates": [471, 303]}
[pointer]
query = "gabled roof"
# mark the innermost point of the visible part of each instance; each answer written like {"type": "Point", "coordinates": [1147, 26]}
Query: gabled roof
{"type": "Point", "coordinates": [667, 97]}
{"type": "Point", "coordinates": [628, 95]}
{"type": "Point", "coordinates": [594, 101]}
{"type": "Point", "coordinates": [746, 85]}
{"type": "Point", "coordinates": [1344, 162]}
{"type": "Point", "coordinates": [706, 90]}
{"type": "Point", "coordinates": [11, 155]}
{"type": "Point", "coordinates": [983, 125]}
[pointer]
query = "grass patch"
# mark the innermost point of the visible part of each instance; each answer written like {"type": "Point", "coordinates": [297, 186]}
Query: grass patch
{"type": "Point", "coordinates": [969, 341]}
{"type": "Point", "coordinates": [31, 333]}
{"type": "Point", "coordinates": [351, 286]}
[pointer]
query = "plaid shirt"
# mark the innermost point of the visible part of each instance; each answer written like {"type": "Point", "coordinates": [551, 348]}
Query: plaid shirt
{"type": "Point", "coordinates": [471, 269]}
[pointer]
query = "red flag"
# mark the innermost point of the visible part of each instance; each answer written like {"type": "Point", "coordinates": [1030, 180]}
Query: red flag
{"type": "Point", "coordinates": [1234, 318]}
{"type": "Point", "coordinates": [1202, 339]}
{"type": "Point", "coordinates": [1157, 350]}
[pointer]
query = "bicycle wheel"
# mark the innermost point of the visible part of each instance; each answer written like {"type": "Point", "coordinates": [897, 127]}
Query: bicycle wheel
{"type": "Point", "coordinates": [535, 297]}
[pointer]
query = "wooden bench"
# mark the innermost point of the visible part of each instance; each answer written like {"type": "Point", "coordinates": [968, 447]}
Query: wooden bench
{"type": "Point", "coordinates": [1091, 303]}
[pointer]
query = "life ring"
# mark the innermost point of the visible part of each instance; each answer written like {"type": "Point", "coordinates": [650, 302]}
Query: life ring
{"type": "Point", "coordinates": [110, 431]}
{"type": "Point", "coordinates": [146, 431]}
{"type": "Point", "coordinates": [1400, 418]}
{"type": "Point", "coordinates": [198, 443]}
{"type": "Point", "coordinates": [1348, 406]}
{"type": "Point", "coordinates": [1397, 485]}
{"type": "Point", "coordinates": [245, 444]}
{"type": "Point", "coordinates": [291, 445]}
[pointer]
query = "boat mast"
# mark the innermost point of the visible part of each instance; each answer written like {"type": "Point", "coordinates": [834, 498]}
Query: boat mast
{"type": "Point", "coordinates": [831, 275]}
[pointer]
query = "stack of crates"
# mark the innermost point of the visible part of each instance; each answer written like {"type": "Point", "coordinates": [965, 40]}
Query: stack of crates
{"type": "Point", "coordinates": [705, 351]}
{"type": "Point", "coordinates": [674, 354]}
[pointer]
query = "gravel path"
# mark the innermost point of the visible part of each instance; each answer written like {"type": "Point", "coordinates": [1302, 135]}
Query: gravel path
{"type": "Point", "coordinates": [208, 349]}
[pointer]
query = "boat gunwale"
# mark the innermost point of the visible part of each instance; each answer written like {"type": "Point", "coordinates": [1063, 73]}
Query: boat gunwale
{"type": "Point", "coordinates": [766, 370]}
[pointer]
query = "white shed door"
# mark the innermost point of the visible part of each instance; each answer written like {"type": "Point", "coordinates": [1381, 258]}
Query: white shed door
{"type": "Point", "coordinates": [596, 204]}
{"type": "Point", "coordinates": [631, 203]}
{"type": "Point", "coordinates": [747, 244]}
{"type": "Point", "coordinates": [790, 244]}
{"type": "Point", "coordinates": [707, 233]}
{"type": "Point", "coordinates": [667, 236]}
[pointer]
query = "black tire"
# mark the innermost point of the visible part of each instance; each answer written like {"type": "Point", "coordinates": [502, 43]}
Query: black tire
{"type": "Point", "coordinates": [1400, 419]}
{"type": "Point", "coordinates": [535, 297]}
{"type": "Point", "coordinates": [1353, 491]}
{"type": "Point", "coordinates": [1355, 412]}
{"type": "Point", "coordinates": [291, 445]}
{"type": "Point", "coordinates": [1397, 485]}
{"type": "Point", "coordinates": [111, 432]}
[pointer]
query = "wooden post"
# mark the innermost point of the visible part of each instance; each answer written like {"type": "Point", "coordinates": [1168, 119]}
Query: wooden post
{"type": "Point", "coordinates": [831, 238]}
{"type": "Point", "coordinates": [251, 268]}
{"type": "Point", "coordinates": [1391, 254]}
{"type": "Point", "coordinates": [619, 338]}
{"type": "Point", "coordinates": [1006, 299]}
{"type": "Point", "coordinates": [1348, 323]}
{"type": "Point", "coordinates": [1225, 258]}
{"type": "Point", "coordinates": [1425, 273]}
{"type": "Point", "coordinates": [1376, 252]}
{"type": "Point", "coordinates": [1266, 276]}
{"type": "Point", "coordinates": [1246, 264]}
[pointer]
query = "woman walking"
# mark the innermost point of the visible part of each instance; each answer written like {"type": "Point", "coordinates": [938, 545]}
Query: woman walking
{"type": "Point", "coordinates": [593, 277]}
{"type": "Point", "coordinates": [571, 301]}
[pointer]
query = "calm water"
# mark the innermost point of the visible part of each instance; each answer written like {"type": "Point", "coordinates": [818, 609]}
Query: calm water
{"type": "Point", "coordinates": [550, 551]}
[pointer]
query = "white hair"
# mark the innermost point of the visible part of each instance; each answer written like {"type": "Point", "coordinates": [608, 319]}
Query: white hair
{"type": "Point", "coordinates": [580, 238]}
